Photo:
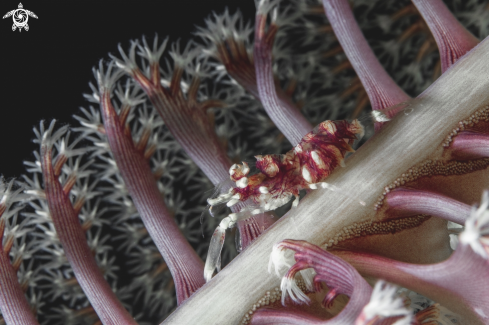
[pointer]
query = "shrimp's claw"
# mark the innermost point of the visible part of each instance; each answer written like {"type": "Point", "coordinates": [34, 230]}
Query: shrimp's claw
{"type": "Point", "coordinates": [213, 260]}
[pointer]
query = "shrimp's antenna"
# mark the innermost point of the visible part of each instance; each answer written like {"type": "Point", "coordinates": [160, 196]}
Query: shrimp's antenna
{"type": "Point", "coordinates": [335, 188]}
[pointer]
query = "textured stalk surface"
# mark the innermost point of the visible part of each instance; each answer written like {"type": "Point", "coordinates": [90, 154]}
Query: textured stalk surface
{"type": "Point", "coordinates": [185, 265]}
{"type": "Point", "coordinates": [70, 233]}
{"type": "Point", "coordinates": [13, 303]}
{"type": "Point", "coordinates": [381, 89]}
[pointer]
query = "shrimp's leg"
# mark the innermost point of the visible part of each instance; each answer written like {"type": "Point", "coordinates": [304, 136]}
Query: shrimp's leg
{"type": "Point", "coordinates": [296, 201]}
{"type": "Point", "coordinates": [213, 261]}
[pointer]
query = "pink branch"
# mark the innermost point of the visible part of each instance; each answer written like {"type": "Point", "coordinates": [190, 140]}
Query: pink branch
{"type": "Point", "coordinates": [13, 303]}
{"type": "Point", "coordinates": [425, 202]}
{"type": "Point", "coordinates": [184, 264]}
{"type": "Point", "coordinates": [186, 120]}
{"type": "Point", "coordinates": [79, 255]}
{"type": "Point", "coordinates": [340, 277]}
{"type": "Point", "coordinates": [471, 145]}
{"type": "Point", "coordinates": [453, 39]}
{"type": "Point", "coordinates": [284, 114]}
{"type": "Point", "coordinates": [459, 283]}
{"type": "Point", "coordinates": [190, 127]}
{"type": "Point", "coordinates": [381, 89]}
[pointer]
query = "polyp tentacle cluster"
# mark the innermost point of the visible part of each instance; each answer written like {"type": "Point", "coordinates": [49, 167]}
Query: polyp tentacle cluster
{"type": "Point", "coordinates": [183, 108]}
{"type": "Point", "coordinates": [317, 266]}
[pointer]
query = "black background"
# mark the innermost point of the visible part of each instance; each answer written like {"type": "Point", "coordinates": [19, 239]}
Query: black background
{"type": "Point", "coordinates": [45, 71]}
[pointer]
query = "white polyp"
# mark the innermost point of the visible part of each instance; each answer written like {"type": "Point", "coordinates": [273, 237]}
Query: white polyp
{"type": "Point", "coordinates": [263, 190]}
{"type": "Point", "coordinates": [306, 174]}
{"type": "Point", "coordinates": [453, 241]}
{"type": "Point", "coordinates": [37, 193]}
{"type": "Point", "coordinates": [317, 160]}
{"type": "Point", "coordinates": [313, 186]}
{"type": "Point", "coordinates": [281, 260]}
{"type": "Point", "coordinates": [385, 302]}
{"type": "Point", "coordinates": [242, 183]}
{"type": "Point", "coordinates": [232, 170]}
{"type": "Point", "coordinates": [274, 14]}
{"type": "Point", "coordinates": [454, 230]}
{"type": "Point", "coordinates": [236, 196]}
{"type": "Point", "coordinates": [476, 228]}
{"type": "Point", "coordinates": [289, 287]}
{"type": "Point", "coordinates": [213, 260]}
{"type": "Point", "coordinates": [256, 211]}
{"type": "Point", "coordinates": [379, 116]}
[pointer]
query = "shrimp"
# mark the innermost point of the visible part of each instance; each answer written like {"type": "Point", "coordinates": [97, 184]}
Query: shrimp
{"type": "Point", "coordinates": [282, 176]}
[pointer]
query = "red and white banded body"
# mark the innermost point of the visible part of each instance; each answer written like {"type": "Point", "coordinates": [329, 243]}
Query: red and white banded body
{"type": "Point", "coordinates": [282, 176]}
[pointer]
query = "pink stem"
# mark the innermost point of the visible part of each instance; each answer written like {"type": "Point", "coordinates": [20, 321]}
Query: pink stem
{"type": "Point", "coordinates": [425, 202]}
{"type": "Point", "coordinates": [79, 255]}
{"type": "Point", "coordinates": [459, 283]}
{"type": "Point", "coordinates": [189, 125]}
{"type": "Point", "coordinates": [184, 263]}
{"type": "Point", "coordinates": [336, 273]}
{"type": "Point", "coordinates": [453, 39]}
{"type": "Point", "coordinates": [242, 69]}
{"type": "Point", "coordinates": [13, 303]}
{"type": "Point", "coordinates": [471, 144]}
{"type": "Point", "coordinates": [284, 114]}
{"type": "Point", "coordinates": [381, 89]}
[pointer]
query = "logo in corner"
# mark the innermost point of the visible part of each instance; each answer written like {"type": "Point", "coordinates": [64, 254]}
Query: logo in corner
{"type": "Point", "coordinates": [20, 17]}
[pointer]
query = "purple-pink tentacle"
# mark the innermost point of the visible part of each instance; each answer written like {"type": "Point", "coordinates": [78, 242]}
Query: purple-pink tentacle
{"type": "Point", "coordinates": [183, 262]}
{"type": "Point", "coordinates": [70, 233]}
{"type": "Point", "coordinates": [410, 201]}
{"type": "Point", "coordinates": [283, 113]}
{"type": "Point", "coordinates": [382, 91]}
{"type": "Point", "coordinates": [459, 283]}
{"type": "Point", "coordinates": [13, 303]}
{"type": "Point", "coordinates": [470, 144]}
{"type": "Point", "coordinates": [189, 125]}
{"type": "Point", "coordinates": [453, 39]}
{"type": "Point", "coordinates": [340, 277]}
